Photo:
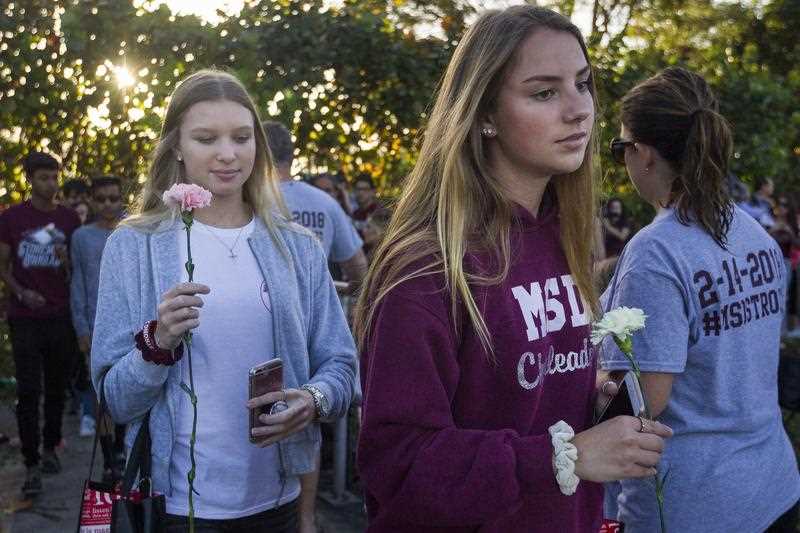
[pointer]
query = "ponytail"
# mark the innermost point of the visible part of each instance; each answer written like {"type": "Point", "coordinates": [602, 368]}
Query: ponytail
{"type": "Point", "coordinates": [676, 113]}
{"type": "Point", "coordinates": [701, 186]}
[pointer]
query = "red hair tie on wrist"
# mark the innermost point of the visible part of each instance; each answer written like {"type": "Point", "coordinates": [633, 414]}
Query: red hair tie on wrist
{"type": "Point", "coordinates": [146, 343]}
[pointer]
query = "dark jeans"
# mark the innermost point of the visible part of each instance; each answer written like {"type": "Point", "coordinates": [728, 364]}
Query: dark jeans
{"type": "Point", "coordinates": [788, 522]}
{"type": "Point", "coordinates": [41, 348]}
{"type": "Point", "coordinates": [281, 519]}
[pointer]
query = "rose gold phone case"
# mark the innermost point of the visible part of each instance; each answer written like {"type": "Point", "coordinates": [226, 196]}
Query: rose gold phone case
{"type": "Point", "coordinates": [264, 378]}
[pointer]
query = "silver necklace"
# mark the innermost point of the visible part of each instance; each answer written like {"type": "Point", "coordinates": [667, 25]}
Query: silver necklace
{"type": "Point", "coordinates": [230, 249]}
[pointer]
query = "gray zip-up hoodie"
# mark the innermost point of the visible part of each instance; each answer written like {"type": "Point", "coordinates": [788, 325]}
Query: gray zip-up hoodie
{"type": "Point", "coordinates": [310, 334]}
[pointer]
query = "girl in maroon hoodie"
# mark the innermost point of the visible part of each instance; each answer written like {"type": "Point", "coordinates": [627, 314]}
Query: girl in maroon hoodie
{"type": "Point", "coordinates": [474, 319]}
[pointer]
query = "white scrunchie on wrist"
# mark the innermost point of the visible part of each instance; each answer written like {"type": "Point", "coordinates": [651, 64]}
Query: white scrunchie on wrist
{"type": "Point", "coordinates": [564, 456]}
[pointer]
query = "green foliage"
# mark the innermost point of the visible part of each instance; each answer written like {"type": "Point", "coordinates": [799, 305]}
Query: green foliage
{"type": "Point", "coordinates": [729, 45]}
{"type": "Point", "coordinates": [89, 79]}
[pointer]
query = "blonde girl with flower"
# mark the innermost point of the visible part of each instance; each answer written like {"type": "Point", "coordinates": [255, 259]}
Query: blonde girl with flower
{"type": "Point", "coordinates": [259, 290]}
{"type": "Point", "coordinates": [478, 374]}
{"type": "Point", "coordinates": [711, 282]}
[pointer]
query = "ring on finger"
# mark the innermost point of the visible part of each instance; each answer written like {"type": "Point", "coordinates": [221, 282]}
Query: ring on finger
{"type": "Point", "coordinates": [644, 425]}
{"type": "Point", "coordinates": [606, 384]}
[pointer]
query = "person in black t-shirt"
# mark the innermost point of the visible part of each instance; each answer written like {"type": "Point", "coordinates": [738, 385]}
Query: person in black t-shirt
{"type": "Point", "coordinates": [366, 199]}
{"type": "Point", "coordinates": [616, 227]}
{"type": "Point", "coordinates": [34, 263]}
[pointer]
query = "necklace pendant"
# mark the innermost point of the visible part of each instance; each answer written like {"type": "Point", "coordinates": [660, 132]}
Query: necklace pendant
{"type": "Point", "coordinates": [233, 255]}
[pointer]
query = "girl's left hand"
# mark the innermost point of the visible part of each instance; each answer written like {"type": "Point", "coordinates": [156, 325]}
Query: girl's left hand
{"type": "Point", "coordinates": [278, 426]}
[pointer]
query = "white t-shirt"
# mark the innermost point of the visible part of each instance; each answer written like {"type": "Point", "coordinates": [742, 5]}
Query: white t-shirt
{"type": "Point", "coordinates": [234, 477]}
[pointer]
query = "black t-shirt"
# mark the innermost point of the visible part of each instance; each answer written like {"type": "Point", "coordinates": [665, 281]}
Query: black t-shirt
{"type": "Point", "coordinates": [613, 244]}
{"type": "Point", "coordinates": [34, 237]}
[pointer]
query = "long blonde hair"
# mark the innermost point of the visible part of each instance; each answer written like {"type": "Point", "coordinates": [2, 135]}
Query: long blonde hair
{"type": "Point", "coordinates": [451, 204]}
{"type": "Point", "coordinates": [261, 190]}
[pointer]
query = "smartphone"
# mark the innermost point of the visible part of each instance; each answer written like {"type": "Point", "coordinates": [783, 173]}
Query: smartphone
{"type": "Point", "coordinates": [263, 378]}
{"type": "Point", "coordinates": [628, 401]}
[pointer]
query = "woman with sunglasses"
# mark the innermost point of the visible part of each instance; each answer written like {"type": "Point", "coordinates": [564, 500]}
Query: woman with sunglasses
{"type": "Point", "coordinates": [711, 282]}
{"type": "Point", "coordinates": [479, 379]}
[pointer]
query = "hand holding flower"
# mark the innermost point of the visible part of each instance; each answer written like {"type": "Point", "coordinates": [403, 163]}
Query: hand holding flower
{"type": "Point", "coordinates": [621, 323]}
{"type": "Point", "coordinates": [616, 450]}
{"type": "Point", "coordinates": [178, 313]}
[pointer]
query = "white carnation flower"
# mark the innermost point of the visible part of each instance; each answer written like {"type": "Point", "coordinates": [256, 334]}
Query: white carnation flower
{"type": "Point", "coordinates": [621, 322]}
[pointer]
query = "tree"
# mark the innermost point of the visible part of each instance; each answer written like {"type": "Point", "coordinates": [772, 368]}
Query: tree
{"type": "Point", "coordinates": [742, 50]}
{"type": "Point", "coordinates": [88, 80]}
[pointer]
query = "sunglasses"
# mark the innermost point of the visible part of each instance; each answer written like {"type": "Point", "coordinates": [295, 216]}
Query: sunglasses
{"type": "Point", "coordinates": [617, 148]}
{"type": "Point", "coordinates": [101, 199]}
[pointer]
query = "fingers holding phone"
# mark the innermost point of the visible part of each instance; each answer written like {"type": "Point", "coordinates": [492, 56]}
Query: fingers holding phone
{"type": "Point", "coordinates": [281, 421]}
{"type": "Point", "coordinates": [266, 392]}
{"type": "Point", "coordinates": [618, 395]}
{"type": "Point", "coordinates": [608, 386]}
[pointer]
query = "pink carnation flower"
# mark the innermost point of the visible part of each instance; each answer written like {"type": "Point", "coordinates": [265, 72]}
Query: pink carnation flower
{"type": "Point", "coordinates": [186, 196]}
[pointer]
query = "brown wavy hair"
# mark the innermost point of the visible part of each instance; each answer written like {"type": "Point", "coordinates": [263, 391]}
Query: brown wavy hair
{"type": "Point", "coordinates": [676, 112]}
{"type": "Point", "coordinates": [451, 203]}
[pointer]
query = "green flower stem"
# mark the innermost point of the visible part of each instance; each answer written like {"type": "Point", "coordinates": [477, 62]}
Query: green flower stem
{"type": "Point", "coordinates": [626, 347]}
{"type": "Point", "coordinates": [187, 218]}
{"type": "Point", "coordinates": [660, 500]}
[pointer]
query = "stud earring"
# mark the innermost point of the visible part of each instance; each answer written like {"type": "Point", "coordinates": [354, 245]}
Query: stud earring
{"type": "Point", "coordinates": [488, 132]}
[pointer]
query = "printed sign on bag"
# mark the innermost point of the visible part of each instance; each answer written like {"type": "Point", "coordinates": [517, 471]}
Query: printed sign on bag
{"type": "Point", "coordinates": [96, 509]}
{"type": "Point", "coordinates": [612, 526]}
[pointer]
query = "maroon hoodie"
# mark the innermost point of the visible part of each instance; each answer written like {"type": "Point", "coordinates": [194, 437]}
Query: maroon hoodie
{"type": "Point", "coordinates": [452, 441]}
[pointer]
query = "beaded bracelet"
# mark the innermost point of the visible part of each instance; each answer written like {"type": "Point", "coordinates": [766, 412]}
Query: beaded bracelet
{"type": "Point", "coordinates": [146, 343]}
{"type": "Point", "coordinates": [564, 456]}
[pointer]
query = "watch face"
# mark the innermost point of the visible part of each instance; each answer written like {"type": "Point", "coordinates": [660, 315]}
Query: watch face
{"type": "Point", "coordinates": [320, 401]}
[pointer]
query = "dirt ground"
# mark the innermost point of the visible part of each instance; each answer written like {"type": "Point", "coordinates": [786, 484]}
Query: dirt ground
{"type": "Point", "coordinates": [56, 509]}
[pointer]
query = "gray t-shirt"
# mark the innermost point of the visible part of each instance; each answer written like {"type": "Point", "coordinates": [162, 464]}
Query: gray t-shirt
{"type": "Point", "coordinates": [318, 212]}
{"type": "Point", "coordinates": [714, 320]}
{"type": "Point", "coordinates": [85, 255]}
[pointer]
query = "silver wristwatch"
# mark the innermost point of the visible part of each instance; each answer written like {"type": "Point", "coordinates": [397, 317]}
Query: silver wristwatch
{"type": "Point", "coordinates": [321, 404]}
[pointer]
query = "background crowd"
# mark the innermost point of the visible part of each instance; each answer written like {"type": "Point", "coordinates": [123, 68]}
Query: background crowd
{"type": "Point", "coordinates": [777, 213]}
